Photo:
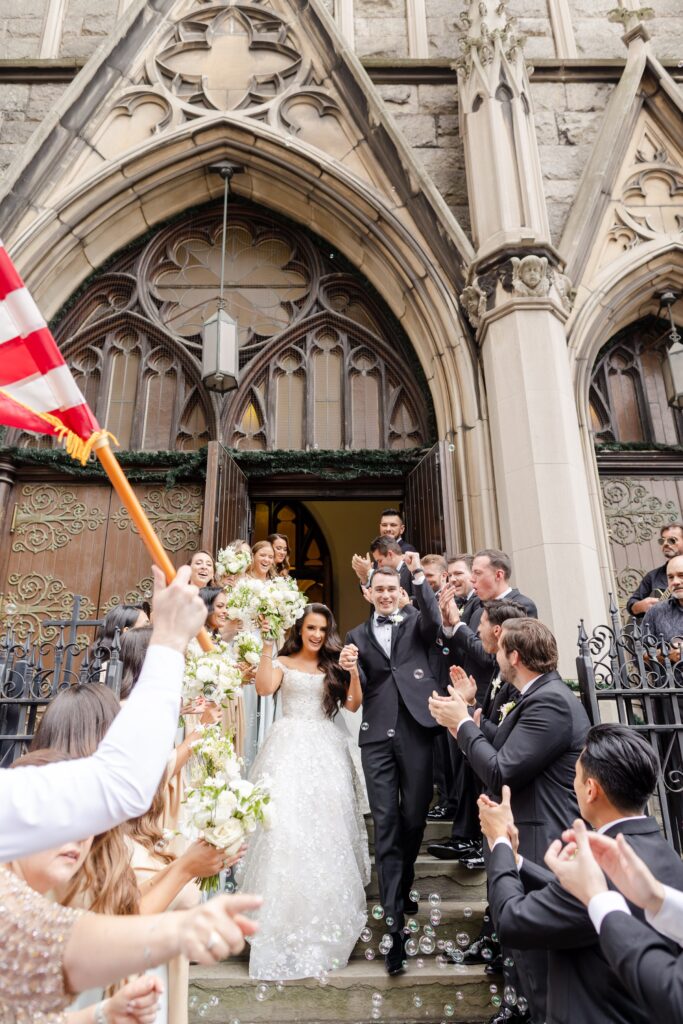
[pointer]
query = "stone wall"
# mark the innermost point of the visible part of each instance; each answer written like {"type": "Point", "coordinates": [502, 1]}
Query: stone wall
{"type": "Point", "coordinates": [22, 108]}
{"type": "Point", "coordinates": [21, 26]}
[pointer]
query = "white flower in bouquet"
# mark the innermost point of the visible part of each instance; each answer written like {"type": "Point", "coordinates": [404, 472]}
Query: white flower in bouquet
{"type": "Point", "coordinates": [213, 675]}
{"type": "Point", "coordinates": [221, 807]}
{"type": "Point", "coordinates": [280, 605]}
{"type": "Point", "coordinates": [247, 648]}
{"type": "Point", "coordinates": [243, 599]}
{"type": "Point", "coordinates": [233, 560]}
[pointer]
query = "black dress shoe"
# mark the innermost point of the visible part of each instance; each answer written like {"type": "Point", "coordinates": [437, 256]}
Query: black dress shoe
{"type": "Point", "coordinates": [454, 849]}
{"type": "Point", "coordinates": [474, 860]}
{"type": "Point", "coordinates": [474, 954]}
{"type": "Point", "coordinates": [437, 813]}
{"type": "Point", "coordinates": [410, 906]}
{"type": "Point", "coordinates": [393, 960]}
{"type": "Point", "coordinates": [494, 966]}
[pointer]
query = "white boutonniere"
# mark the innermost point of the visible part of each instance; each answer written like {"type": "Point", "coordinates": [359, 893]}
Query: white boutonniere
{"type": "Point", "coordinates": [505, 710]}
{"type": "Point", "coordinates": [396, 618]}
{"type": "Point", "coordinates": [495, 686]}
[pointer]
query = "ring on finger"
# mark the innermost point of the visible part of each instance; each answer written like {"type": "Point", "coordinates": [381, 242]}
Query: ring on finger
{"type": "Point", "coordinates": [214, 937]}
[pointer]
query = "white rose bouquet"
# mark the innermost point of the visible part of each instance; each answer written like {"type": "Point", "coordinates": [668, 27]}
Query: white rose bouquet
{"type": "Point", "coordinates": [243, 599]}
{"type": "Point", "coordinates": [280, 605]}
{"type": "Point", "coordinates": [220, 806]}
{"type": "Point", "coordinates": [247, 648]}
{"type": "Point", "coordinates": [233, 560]}
{"type": "Point", "coordinates": [213, 675]}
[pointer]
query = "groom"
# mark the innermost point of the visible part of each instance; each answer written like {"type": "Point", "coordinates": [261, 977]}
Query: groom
{"type": "Point", "coordinates": [391, 652]}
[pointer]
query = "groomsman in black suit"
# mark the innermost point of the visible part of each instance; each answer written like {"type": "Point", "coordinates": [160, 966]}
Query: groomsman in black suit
{"type": "Point", "coordinates": [436, 570]}
{"type": "Point", "coordinates": [387, 553]}
{"type": "Point", "coordinates": [615, 776]}
{"type": "Point", "coordinates": [464, 842]}
{"type": "Point", "coordinates": [391, 525]}
{"type": "Point", "coordinates": [460, 579]}
{"type": "Point", "coordinates": [391, 653]}
{"type": "Point", "coordinates": [534, 749]}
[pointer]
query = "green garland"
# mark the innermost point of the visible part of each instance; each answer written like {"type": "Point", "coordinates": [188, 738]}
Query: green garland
{"type": "Point", "coordinates": [170, 467]}
{"type": "Point", "coordinates": [636, 446]}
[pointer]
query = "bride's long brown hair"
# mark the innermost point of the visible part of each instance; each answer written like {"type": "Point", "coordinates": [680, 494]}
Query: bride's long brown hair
{"type": "Point", "coordinates": [336, 679]}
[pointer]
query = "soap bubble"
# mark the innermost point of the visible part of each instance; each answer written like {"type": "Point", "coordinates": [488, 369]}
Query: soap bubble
{"type": "Point", "coordinates": [458, 956]}
{"type": "Point", "coordinates": [463, 939]}
{"type": "Point", "coordinates": [378, 912]}
{"type": "Point", "coordinates": [510, 995]}
{"type": "Point", "coordinates": [414, 895]}
{"type": "Point", "coordinates": [262, 993]}
{"type": "Point", "coordinates": [391, 733]}
{"type": "Point", "coordinates": [487, 953]}
{"type": "Point", "coordinates": [467, 912]}
{"type": "Point", "coordinates": [203, 1010]}
{"type": "Point", "coordinates": [279, 986]}
{"type": "Point", "coordinates": [390, 921]}
{"type": "Point", "coordinates": [369, 954]}
{"type": "Point", "coordinates": [493, 989]}
{"type": "Point", "coordinates": [214, 1001]}
{"type": "Point", "coordinates": [420, 962]}
{"type": "Point", "coordinates": [365, 726]}
{"type": "Point", "coordinates": [385, 944]}
{"type": "Point", "coordinates": [435, 916]}
{"type": "Point", "coordinates": [428, 930]}
{"type": "Point", "coordinates": [449, 1009]}
{"type": "Point", "coordinates": [377, 998]}
{"type": "Point", "coordinates": [411, 947]}
{"type": "Point", "coordinates": [496, 1001]}
{"type": "Point", "coordinates": [508, 962]}
{"type": "Point", "coordinates": [323, 978]}
{"type": "Point", "coordinates": [459, 996]}
{"type": "Point", "coordinates": [522, 1004]}
{"type": "Point", "coordinates": [434, 899]}
{"type": "Point", "coordinates": [413, 925]}
{"type": "Point", "coordinates": [427, 944]}
{"type": "Point", "coordinates": [366, 935]}
{"type": "Point", "coordinates": [417, 1001]}
{"type": "Point", "coordinates": [335, 964]}
{"type": "Point", "coordinates": [375, 1013]}
{"type": "Point", "coordinates": [192, 1002]}
{"type": "Point", "coordinates": [446, 650]}
{"type": "Point", "coordinates": [418, 673]}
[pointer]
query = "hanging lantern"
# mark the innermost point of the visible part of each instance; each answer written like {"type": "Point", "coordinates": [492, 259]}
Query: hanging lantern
{"type": "Point", "coordinates": [673, 363]}
{"type": "Point", "coordinates": [220, 350]}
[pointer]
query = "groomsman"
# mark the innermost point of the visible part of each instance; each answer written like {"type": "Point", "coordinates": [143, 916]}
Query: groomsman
{"type": "Point", "coordinates": [391, 525]}
{"type": "Point", "coordinates": [391, 652]}
{"type": "Point", "coordinates": [460, 579]}
{"type": "Point", "coordinates": [540, 734]}
{"type": "Point", "coordinates": [616, 775]}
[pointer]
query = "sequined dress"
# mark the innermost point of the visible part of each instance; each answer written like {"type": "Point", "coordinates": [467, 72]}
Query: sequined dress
{"type": "Point", "coordinates": [33, 934]}
{"type": "Point", "coordinates": [312, 866]}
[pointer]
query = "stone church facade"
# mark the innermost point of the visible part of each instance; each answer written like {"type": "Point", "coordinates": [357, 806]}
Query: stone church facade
{"type": "Point", "coordinates": [435, 251]}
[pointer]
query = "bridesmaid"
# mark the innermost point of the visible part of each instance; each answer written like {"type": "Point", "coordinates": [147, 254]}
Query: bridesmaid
{"type": "Point", "coordinates": [201, 569]}
{"type": "Point", "coordinates": [262, 568]}
{"type": "Point", "coordinates": [218, 625]}
{"type": "Point", "coordinates": [280, 546]}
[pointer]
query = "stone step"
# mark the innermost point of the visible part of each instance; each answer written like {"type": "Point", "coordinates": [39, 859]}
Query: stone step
{"type": "Point", "coordinates": [224, 994]}
{"type": "Point", "coordinates": [434, 830]}
{"type": "Point", "coordinates": [449, 879]}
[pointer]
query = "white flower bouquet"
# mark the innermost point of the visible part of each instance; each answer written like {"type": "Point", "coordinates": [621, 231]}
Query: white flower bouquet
{"type": "Point", "coordinates": [279, 606]}
{"type": "Point", "coordinates": [247, 648]}
{"type": "Point", "coordinates": [213, 675]}
{"type": "Point", "coordinates": [220, 806]}
{"type": "Point", "coordinates": [233, 560]}
{"type": "Point", "coordinates": [243, 599]}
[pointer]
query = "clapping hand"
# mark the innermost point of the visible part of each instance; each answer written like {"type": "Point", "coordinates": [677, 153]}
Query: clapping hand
{"type": "Point", "coordinates": [625, 869]}
{"type": "Point", "coordinates": [450, 613]}
{"type": "Point", "coordinates": [367, 594]}
{"type": "Point", "coordinates": [348, 658]}
{"type": "Point", "coordinates": [463, 684]}
{"type": "Point", "coordinates": [362, 567]}
{"type": "Point", "coordinates": [448, 711]}
{"type": "Point", "coordinates": [496, 820]}
{"type": "Point", "coordinates": [575, 867]}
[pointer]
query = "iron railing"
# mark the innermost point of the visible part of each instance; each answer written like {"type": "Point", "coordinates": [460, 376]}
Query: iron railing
{"type": "Point", "coordinates": [636, 679]}
{"type": "Point", "coordinates": [33, 671]}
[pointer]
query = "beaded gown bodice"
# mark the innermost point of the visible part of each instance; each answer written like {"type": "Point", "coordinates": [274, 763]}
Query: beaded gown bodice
{"type": "Point", "coordinates": [301, 694]}
{"type": "Point", "coordinates": [33, 936]}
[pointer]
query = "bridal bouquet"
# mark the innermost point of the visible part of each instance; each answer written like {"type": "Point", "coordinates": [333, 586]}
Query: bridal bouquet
{"type": "Point", "coordinates": [220, 806]}
{"type": "Point", "coordinates": [213, 675]}
{"type": "Point", "coordinates": [243, 599]}
{"type": "Point", "coordinates": [233, 560]}
{"type": "Point", "coordinates": [247, 648]}
{"type": "Point", "coordinates": [279, 606]}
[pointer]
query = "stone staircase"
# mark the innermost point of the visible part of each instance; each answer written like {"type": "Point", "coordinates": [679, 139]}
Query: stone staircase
{"type": "Point", "coordinates": [429, 990]}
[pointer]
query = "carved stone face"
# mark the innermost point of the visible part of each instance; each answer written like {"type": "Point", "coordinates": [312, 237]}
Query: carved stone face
{"type": "Point", "coordinates": [470, 299]}
{"type": "Point", "coordinates": [531, 271]}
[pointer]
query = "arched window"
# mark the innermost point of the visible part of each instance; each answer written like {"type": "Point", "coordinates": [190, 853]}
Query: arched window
{"type": "Point", "coordinates": [322, 362]}
{"type": "Point", "coordinates": [628, 400]}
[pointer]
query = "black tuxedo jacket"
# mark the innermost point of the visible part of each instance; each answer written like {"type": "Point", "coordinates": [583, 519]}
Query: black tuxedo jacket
{"type": "Point", "coordinates": [534, 751]}
{"type": "Point", "coordinates": [581, 987]}
{"type": "Point", "coordinates": [383, 679]}
{"type": "Point", "coordinates": [470, 613]}
{"type": "Point", "coordinates": [644, 962]}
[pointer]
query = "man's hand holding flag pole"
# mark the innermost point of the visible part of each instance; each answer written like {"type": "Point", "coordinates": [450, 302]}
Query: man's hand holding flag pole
{"type": "Point", "coordinates": [38, 393]}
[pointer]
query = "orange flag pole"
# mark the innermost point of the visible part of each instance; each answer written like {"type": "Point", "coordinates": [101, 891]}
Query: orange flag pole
{"type": "Point", "coordinates": [119, 482]}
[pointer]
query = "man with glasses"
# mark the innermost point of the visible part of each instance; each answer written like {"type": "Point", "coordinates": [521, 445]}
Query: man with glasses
{"type": "Point", "coordinates": [654, 583]}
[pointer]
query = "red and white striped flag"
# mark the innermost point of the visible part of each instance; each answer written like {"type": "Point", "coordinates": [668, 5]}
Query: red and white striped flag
{"type": "Point", "coordinates": [37, 391]}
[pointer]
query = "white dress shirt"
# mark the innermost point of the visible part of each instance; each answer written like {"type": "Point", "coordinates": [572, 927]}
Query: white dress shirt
{"type": "Point", "coordinates": [45, 807]}
{"type": "Point", "coordinates": [382, 634]}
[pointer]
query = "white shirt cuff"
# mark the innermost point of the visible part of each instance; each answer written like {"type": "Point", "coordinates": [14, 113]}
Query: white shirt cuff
{"type": "Point", "coordinates": [603, 904]}
{"type": "Point", "coordinates": [464, 722]}
{"type": "Point", "coordinates": [506, 842]}
{"type": "Point", "coordinates": [449, 631]}
{"type": "Point", "coordinates": [668, 921]}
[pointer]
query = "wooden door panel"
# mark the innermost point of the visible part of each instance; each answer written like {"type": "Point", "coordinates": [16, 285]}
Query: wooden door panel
{"type": "Point", "coordinates": [226, 500]}
{"type": "Point", "coordinates": [428, 508]}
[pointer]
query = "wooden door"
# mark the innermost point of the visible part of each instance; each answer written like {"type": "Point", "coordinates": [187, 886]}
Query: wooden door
{"type": "Point", "coordinates": [429, 506]}
{"type": "Point", "coordinates": [227, 512]}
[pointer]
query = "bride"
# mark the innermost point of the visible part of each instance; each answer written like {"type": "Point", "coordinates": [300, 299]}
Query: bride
{"type": "Point", "coordinates": [312, 866]}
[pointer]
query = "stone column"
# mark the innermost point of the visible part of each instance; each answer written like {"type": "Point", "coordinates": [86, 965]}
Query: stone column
{"type": "Point", "coordinates": [518, 301]}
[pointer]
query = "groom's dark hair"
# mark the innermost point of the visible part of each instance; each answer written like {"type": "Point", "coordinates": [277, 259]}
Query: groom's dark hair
{"type": "Point", "coordinates": [386, 570]}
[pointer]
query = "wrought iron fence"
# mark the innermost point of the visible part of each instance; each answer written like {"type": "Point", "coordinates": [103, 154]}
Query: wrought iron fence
{"type": "Point", "coordinates": [34, 670]}
{"type": "Point", "coordinates": [637, 679]}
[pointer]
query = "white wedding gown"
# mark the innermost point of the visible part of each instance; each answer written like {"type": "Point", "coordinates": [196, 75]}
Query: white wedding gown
{"type": "Point", "coordinates": [312, 866]}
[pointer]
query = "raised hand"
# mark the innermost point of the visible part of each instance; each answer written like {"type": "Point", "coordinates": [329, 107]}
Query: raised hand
{"type": "Point", "coordinates": [462, 683]}
{"type": "Point", "coordinates": [625, 869]}
{"type": "Point", "coordinates": [179, 612]}
{"type": "Point", "coordinates": [348, 658]}
{"type": "Point", "coordinates": [412, 560]}
{"type": "Point", "coordinates": [575, 867]}
{"type": "Point", "coordinates": [496, 819]}
{"type": "Point", "coordinates": [366, 594]}
{"type": "Point", "coordinates": [450, 613]}
{"type": "Point", "coordinates": [362, 567]}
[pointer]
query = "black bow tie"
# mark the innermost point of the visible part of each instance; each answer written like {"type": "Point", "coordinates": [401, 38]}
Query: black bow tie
{"type": "Point", "coordinates": [383, 620]}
